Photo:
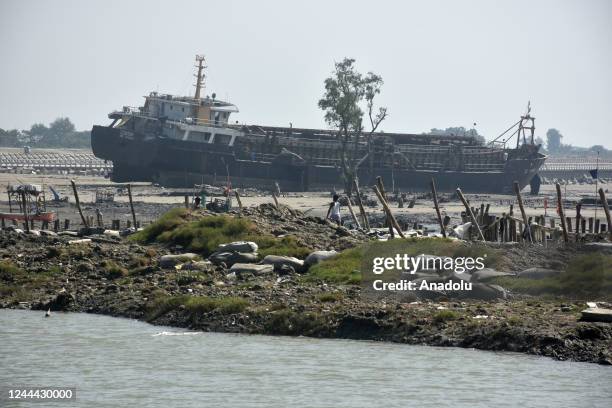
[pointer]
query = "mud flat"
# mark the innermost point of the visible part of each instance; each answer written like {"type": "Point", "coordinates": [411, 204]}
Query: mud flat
{"type": "Point", "coordinates": [175, 273]}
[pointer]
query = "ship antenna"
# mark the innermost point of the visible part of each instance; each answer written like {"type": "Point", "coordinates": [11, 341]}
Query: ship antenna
{"type": "Point", "coordinates": [199, 76]}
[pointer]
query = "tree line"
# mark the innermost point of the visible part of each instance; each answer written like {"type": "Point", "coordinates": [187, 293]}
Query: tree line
{"type": "Point", "coordinates": [60, 133]}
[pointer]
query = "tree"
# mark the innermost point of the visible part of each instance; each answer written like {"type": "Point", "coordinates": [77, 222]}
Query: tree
{"type": "Point", "coordinates": [345, 92]}
{"type": "Point", "coordinates": [553, 140]}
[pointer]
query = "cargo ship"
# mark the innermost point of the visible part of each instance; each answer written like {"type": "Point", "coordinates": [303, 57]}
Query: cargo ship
{"type": "Point", "coordinates": [181, 141]}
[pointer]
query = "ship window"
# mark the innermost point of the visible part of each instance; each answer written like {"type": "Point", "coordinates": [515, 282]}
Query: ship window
{"type": "Point", "coordinates": [201, 137]}
{"type": "Point", "coordinates": [222, 139]}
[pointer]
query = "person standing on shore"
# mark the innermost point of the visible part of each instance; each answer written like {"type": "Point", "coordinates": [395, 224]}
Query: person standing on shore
{"type": "Point", "coordinates": [333, 213]}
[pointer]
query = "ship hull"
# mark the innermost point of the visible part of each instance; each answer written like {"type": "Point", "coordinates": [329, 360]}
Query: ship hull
{"type": "Point", "coordinates": [176, 163]}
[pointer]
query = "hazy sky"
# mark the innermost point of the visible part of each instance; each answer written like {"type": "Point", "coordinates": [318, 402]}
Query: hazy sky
{"type": "Point", "coordinates": [444, 63]}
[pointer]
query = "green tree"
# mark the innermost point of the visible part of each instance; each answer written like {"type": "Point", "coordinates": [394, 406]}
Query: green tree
{"type": "Point", "coordinates": [345, 93]}
{"type": "Point", "coordinates": [553, 140]}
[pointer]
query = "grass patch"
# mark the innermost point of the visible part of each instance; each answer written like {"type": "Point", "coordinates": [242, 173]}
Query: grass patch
{"type": "Point", "coordinates": [285, 246]}
{"type": "Point", "coordinates": [329, 297]}
{"type": "Point", "coordinates": [343, 268]}
{"type": "Point", "coordinates": [9, 272]}
{"type": "Point", "coordinates": [588, 276]}
{"type": "Point", "coordinates": [445, 315]}
{"type": "Point", "coordinates": [176, 227]}
{"type": "Point", "coordinates": [113, 270]}
{"type": "Point", "coordinates": [194, 305]}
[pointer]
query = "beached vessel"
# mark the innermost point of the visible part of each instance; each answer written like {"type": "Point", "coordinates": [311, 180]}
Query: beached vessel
{"type": "Point", "coordinates": [179, 141]}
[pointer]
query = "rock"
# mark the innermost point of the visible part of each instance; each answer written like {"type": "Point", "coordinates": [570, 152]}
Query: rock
{"type": "Point", "coordinates": [538, 273]}
{"type": "Point", "coordinates": [36, 233]}
{"type": "Point", "coordinates": [80, 241]}
{"type": "Point", "coordinates": [597, 314]}
{"type": "Point", "coordinates": [198, 266]}
{"type": "Point", "coordinates": [238, 246]}
{"type": "Point", "coordinates": [48, 233]}
{"type": "Point", "coordinates": [68, 233]}
{"type": "Point", "coordinates": [230, 258]}
{"type": "Point", "coordinates": [487, 274]}
{"type": "Point", "coordinates": [111, 233]}
{"type": "Point", "coordinates": [279, 261]}
{"type": "Point", "coordinates": [318, 256]}
{"type": "Point", "coordinates": [255, 269]}
{"type": "Point", "coordinates": [483, 291]}
{"type": "Point", "coordinates": [169, 261]}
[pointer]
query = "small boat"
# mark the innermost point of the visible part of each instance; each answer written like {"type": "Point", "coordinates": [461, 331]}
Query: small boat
{"type": "Point", "coordinates": [43, 216]}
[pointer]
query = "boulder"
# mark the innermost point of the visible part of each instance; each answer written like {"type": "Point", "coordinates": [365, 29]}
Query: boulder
{"type": "Point", "coordinates": [318, 256]}
{"type": "Point", "coordinates": [279, 261]}
{"type": "Point", "coordinates": [538, 273]}
{"type": "Point", "coordinates": [169, 261]}
{"type": "Point", "coordinates": [239, 246]}
{"type": "Point", "coordinates": [487, 274]}
{"type": "Point", "coordinates": [483, 291]}
{"type": "Point", "coordinates": [230, 258]}
{"type": "Point", "coordinates": [48, 233]}
{"type": "Point", "coordinates": [256, 269]}
{"type": "Point", "coordinates": [197, 266]}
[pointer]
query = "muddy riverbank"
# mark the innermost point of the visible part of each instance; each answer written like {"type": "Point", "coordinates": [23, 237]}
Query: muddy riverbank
{"type": "Point", "coordinates": [131, 278]}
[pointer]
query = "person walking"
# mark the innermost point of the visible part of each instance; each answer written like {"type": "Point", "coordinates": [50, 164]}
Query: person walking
{"type": "Point", "coordinates": [333, 213]}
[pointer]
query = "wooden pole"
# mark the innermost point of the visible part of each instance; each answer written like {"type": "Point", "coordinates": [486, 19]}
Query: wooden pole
{"type": "Point", "coordinates": [390, 217]}
{"type": "Point", "coordinates": [78, 203]}
{"type": "Point", "coordinates": [578, 217]}
{"type": "Point", "coordinates": [561, 212]}
{"type": "Point", "coordinates": [435, 200]}
{"type": "Point", "coordinates": [470, 213]}
{"type": "Point", "coordinates": [275, 200]}
{"type": "Point", "coordinates": [24, 203]}
{"type": "Point", "coordinates": [350, 207]}
{"type": "Point", "coordinates": [239, 203]}
{"type": "Point", "coordinates": [381, 187]}
{"type": "Point", "coordinates": [517, 191]}
{"type": "Point", "coordinates": [364, 216]}
{"type": "Point", "coordinates": [129, 187]}
{"type": "Point", "coordinates": [604, 202]}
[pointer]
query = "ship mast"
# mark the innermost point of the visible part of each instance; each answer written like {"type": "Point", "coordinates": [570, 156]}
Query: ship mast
{"type": "Point", "coordinates": [199, 77]}
{"type": "Point", "coordinates": [527, 122]}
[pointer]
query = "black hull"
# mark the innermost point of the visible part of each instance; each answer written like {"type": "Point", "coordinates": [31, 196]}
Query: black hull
{"type": "Point", "coordinates": [174, 163]}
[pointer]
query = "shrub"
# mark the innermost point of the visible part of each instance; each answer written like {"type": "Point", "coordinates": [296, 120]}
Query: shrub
{"type": "Point", "coordinates": [445, 315]}
{"type": "Point", "coordinates": [114, 271]}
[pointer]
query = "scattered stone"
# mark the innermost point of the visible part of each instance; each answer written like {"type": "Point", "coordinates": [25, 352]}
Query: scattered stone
{"type": "Point", "coordinates": [230, 258]}
{"type": "Point", "coordinates": [255, 269]}
{"type": "Point", "coordinates": [488, 274]}
{"type": "Point", "coordinates": [538, 273]}
{"type": "Point", "coordinates": [598, 314]}
{"type": "Point", "coordinates": [169, 261]}
{"type": "Point", "coordinates": [239, 246]}
{"type": "Point", "coordinates": [48, 233]}
{"type": "Point", "coordinates": [280, 261]}
{"type": "Point", "coordinates": [198, 266]}
{"type": "Point", "coordinates": [318, 256]}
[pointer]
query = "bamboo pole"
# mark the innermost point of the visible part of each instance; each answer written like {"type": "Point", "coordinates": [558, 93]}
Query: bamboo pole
{"type": "Point", "coordinates": [561, 212]}
{"type": "Point", "coordinates": [129, 187]}
{"type": "Point", "coordinates": [364, 216]}
{"type": "Point", "coordinates": [436, 206]}
{"type": "Point", "coordinates": [350, 207]}
{"type": "Point", "coordinates": [239, 203]}
{"type": "Point", "coordinates": [470, 213]}
{"type": "Point", "coordinates": [78, 203]}
{"type": "Point", "coordinates": [604, 202]}
{"type": "Point", "coordinates": [275, 200]}
{"type": "Point", "coordinates": [390, 217]}
{"type": "Point", "coordinates": [517, 191]}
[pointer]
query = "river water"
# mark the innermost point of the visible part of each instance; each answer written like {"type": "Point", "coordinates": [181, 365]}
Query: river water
{"type": "Point", "coordinates": [119, 363]}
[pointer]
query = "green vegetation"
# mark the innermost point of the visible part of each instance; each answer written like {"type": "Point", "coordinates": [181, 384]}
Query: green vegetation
{"type": "Point", "coordinates": [343, 268]}
{"type": "Point", "coordinates": [204, 234]}
{"type": "Point", "coordinates": [288, 322]}
{"type": "Point", "coordinates": [194, 305]}
{"type": "Point", "coordinates": [330, 297]}
{"type": "Point", "coordinates": [60, 133]}
{"type": "Point", "coordinates": [346, 267]}
{"type": "Point", "coordinates": [113, 270]}
{"type": "Point", "coordinates": [587, 275]}
{"type": "Point", "coordinates": [445, 315]}
{"type": "Point", "coordinates": [16, 285]}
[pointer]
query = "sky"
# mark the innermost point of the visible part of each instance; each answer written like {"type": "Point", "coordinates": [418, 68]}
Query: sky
{"type": "Point", "coordinates": [444, 62]}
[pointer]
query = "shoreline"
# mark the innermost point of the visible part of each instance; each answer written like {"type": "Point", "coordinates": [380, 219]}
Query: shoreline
{"type": "Point", "coordinates": [121, 278]}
